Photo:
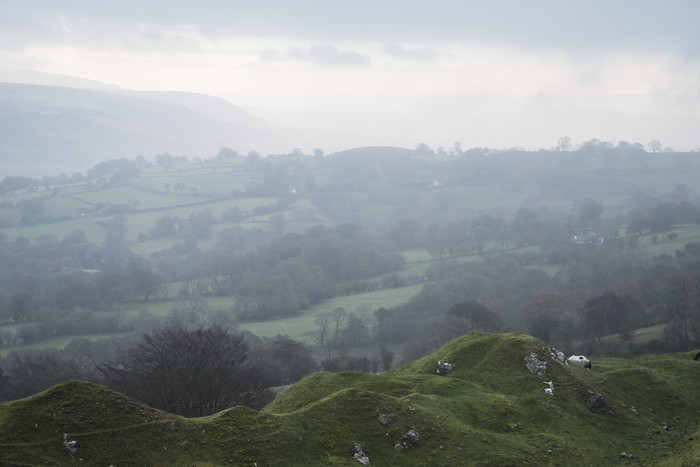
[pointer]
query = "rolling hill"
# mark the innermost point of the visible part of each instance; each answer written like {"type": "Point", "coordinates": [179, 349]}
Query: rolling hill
{"type": "Point", "coordinates": [491, 409]}
{"type": "Point", "coordinates": [48, 130]}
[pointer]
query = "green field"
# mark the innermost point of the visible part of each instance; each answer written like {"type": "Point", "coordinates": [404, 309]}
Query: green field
{"type": "Point", "coordinates": [374, 198]}
{"type": "Point", "coordinates": [302, 327]}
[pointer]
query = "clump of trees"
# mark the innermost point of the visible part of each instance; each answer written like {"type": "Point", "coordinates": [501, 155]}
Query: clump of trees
{"type": "Point", "coordinates": [188, 372]}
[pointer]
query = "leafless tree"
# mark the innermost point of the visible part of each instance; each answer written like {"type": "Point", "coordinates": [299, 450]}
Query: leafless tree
{"type": "Point", "coordinates": [187, 372]}
{"type": "Point", "coordinates": [564, 143]}
{"type": "Point", "coordinates": [654, 145]}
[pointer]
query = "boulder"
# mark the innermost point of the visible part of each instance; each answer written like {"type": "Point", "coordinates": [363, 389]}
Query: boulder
{"type": "Point", "coordinates": [384, 420]}
{"type": "Point", "coordinates": [535, 365]}
{"type": "Point", "coordinates": [596, 403]}
{"type": "Point", "coordinates": [412, 436]}
{"type": "Point", "coordinates": [557, 354]}
{"type": "Point", "coordinates": [443, 368]}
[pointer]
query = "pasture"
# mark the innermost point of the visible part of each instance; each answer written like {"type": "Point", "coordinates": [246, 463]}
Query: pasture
{"type": "Point", "coordinates": [381, 197]}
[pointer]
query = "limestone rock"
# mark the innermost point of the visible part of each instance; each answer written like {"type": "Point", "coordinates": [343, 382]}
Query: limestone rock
{"type": "Point", "coordinates": [443, 368]}
{"type": "Point", "coordinates": [535, 365]}
{"type": "Point", "coordinates": [550, 389]}
{"type": "Point", "coordinates": [360, 455]}
{"type": "Point", "coordinates": [70, 446]}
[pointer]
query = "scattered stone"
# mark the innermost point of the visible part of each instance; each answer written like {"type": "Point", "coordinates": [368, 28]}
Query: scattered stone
{"type": "Point", "coordinates": [664, 426]}
{"type": "Point", "coordinates": [364, 460]}
{"type": "Point", "coordinates": [550, 389]}
{"type": "Point", "coordinates": [360, 455]}
{"type": "Point", "coordinates": [549, 451]}
{"type": "Point", "coordinates": [413, 436]}
{"type": "Point", "coordinates": [596, 403]}
{"type": "Point", "coordinates": [398, 447]}
{"type": "Point", "coordinates": [626, 455]}
{"type": "Point", "coordinates": [557, 355]}
{"type": "Point", "coordinates": [535, 365]}
{"type": "Point", "coordinates": [70, 446]}
{"type": "Point", "coordinates": [514, 426]}
{"type": "Point", "coordinates": [383, 420]}
{"type": "Point", "coordinates": [443, 368]}
{"type": "Point", "coordinates": [581, 360]}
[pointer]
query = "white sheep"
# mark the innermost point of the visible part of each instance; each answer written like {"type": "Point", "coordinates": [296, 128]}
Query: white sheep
{"type": "Point", "coordinates": [581, 360]}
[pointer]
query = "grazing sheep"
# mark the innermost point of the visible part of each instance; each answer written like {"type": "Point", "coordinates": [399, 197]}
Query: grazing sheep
{"type": "Point", "coordinates": [581, 360]}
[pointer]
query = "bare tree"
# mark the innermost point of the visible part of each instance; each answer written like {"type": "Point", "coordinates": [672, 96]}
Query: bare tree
{"type": "Point", "coordinates": [323, 321]}
{"type": "Point", "coordinates": [564, 143]}
{"type": "Point", "coordinates": [654, 145]}
{"type": "Point", "coordinates": [187, 372]}
{"type": "Point", "coordinates": [387, 357]}
{"type": "Point", "coordinates": [339, 317]}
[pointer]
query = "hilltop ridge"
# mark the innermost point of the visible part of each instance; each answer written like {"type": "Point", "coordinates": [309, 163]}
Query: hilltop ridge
{"type": "Point", "coordinates": [490, 409]}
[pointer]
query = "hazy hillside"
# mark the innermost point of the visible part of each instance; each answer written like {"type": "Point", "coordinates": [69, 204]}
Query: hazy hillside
{"type": "Point", "coordinates": [48, 130]}
{"type": "Point", "coordinates": [490, 409]}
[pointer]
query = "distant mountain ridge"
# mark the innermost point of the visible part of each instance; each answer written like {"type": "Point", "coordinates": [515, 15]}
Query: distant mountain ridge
{"type": "Point", "coordinates": [46, 130]}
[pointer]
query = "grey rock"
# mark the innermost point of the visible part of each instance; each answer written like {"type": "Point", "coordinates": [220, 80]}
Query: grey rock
{"type": "Point", "coordinates": [535, 365]}
{"type": "Point", "coordinates": [413, 436]}
{"type": "Point", "coordinates": [384, 420]}
{"type": "Point", "coordinates": [550, 389]}
{"type": "Point", "coordinates": [557, 355]}
{"type": "Point", "coordinates": [443, 368]}
{"type": "Point", "coordinates": [360, 455]}
{"type": "Point", "coordinates": [596, 403]}
{"type": "Point", "coordinates": [364, 460]}
{"type": "Point", "coordinates": [398, 447]}
{"type": "Point", "coordinates": [70, 446]}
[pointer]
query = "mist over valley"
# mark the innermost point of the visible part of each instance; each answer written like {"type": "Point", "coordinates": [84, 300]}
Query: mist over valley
{"type": "Point", "coordinates": [396, 233]}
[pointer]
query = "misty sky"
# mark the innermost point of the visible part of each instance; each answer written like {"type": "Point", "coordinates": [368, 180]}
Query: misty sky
{"type": "Point", "coordinates": [485, 73]}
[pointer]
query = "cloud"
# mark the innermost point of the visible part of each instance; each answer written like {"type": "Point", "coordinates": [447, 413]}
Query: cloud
{"type": "Point", "coordinates": [399, 51]}
{"type": "Point", "coordinates": [330, 56]}
{"type": "Point", "coordinates": [583, 27]}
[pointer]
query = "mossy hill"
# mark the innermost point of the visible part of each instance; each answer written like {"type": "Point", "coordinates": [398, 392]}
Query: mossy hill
{"type": "Point", "coordinates": [489, 410]}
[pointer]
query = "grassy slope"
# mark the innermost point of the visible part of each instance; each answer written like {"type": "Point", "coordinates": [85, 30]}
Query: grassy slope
{"type": "Point", "coordinates": [489, 410]}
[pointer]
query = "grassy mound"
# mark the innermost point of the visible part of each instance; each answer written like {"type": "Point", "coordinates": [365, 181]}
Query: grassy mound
{"type": "Point", "coordinates": [490, 409]}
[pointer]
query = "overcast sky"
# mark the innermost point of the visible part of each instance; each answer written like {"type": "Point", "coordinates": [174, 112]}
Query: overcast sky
{"type": "Point", "coordinates": [486, 73]}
